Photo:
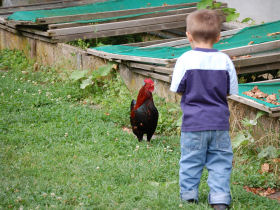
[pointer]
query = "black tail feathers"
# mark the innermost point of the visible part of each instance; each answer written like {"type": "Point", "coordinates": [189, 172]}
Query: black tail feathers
{"type": "Point", "coordinates": [133, 102]}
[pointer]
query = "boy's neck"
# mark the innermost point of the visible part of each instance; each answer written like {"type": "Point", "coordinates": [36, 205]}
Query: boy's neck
{"type": "Point", "coordinates": [201, 45]}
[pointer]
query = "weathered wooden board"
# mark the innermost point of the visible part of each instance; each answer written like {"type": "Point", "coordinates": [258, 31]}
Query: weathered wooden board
{"type": "Point", "coordinates": [32, 30]}
{"type": "Point", "coordinates": [111, 56]}
{"type": "Point", "coordinates": [153, 42]}
{"type": "Point", "coordinates": [154, 68]}
{"type": "Point", "coordinates": [115, 26]}
{"type": "Point", "coordinates": [39, 6]}
{"type": "Point", "coordinates": [258, 68]}
{"type": "Point", "coordinates": [250, 49]}
{"type": "Point", "coordinates": [250, 102]}
{"type": "Point", "coordinates": [27, 34]}
{"type": "Point", "coordinates": [257, 59]}
{"type": "Point", "coordinates": [108, 14]}
{"type": "Point", "coordinates": [151, 74]}
{"type": "Point", "coordinates": [156, 14]}
{"type": "Point", "coordinates": [185, 42]}
{"type": "Point", "coordinates": [108, 33]}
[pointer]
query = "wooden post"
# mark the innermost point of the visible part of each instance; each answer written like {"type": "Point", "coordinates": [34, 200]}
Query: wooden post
{"type": "Point", "coordinates": [33, 48]}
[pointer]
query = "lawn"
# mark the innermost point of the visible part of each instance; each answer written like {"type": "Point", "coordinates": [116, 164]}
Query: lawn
{"type": "Point", "coordinates": [66, 148]}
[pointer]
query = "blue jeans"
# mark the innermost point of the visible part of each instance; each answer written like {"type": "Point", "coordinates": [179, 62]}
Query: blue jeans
{"type": "Point", "coordinates": [213, 150]}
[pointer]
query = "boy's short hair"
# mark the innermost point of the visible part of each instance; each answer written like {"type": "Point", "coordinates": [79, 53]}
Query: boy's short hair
{"type": "Point", "coordinates": [204, 25]}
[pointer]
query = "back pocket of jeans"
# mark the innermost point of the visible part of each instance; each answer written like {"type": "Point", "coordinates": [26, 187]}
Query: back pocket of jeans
{"type": "Point", "coordinates": [223, 139]}
{"type": "Point", "coordinates": [191, 141]}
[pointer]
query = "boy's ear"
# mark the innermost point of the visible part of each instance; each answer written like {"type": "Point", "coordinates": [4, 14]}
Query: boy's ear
{"type": "Point", "coordinates": [218, 38]}
{"type": "Point", "coordinates": [189, 36]}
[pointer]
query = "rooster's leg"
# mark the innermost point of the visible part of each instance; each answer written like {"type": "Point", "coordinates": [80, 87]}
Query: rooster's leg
{"type": "Point", "coordinates": [149, 136]}
{"type": "Point", "coordinates": [140, 137]}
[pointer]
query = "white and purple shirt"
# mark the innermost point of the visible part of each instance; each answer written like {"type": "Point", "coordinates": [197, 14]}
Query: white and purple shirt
{"type": "Point", "coordinates": [204, 77]}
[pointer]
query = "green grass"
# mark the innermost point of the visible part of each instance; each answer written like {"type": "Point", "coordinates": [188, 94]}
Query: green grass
{"type": "Point", "coordinates": [65, 148]}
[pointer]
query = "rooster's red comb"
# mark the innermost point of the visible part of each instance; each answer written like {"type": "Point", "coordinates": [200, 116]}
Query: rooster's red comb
{"type": "Point", "coordinates": [149, 81]}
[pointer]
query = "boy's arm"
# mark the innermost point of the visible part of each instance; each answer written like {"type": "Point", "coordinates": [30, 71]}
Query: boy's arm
{"type": "Point", "coordinates": [177, 76]}
{"type": "Point", "coordinates": [233, 85]}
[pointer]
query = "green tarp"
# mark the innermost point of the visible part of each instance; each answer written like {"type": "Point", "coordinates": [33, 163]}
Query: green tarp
{"type": "Point", "coordinates": [256, 34]}
{"type": "Point", "coordinates": [110, 5]}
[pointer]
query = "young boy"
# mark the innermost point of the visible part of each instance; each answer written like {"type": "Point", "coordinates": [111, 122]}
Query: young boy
{"type": "Point", "coordinates": [204, 76]}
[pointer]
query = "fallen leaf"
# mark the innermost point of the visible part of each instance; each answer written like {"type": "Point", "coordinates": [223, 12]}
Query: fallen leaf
{"type": "Point", "coordinates": [265, 167]}
{"type": "Point", "coordinates": [255, 89]}
{"type": "Point", "coordinates": [276, 160]}
{"type": "Point", "coordinates": [261, 94]}
{"type": "Point", "coordinates": [125, 129]}
{"type": "Point", "coordinates": [115, 66]}
{"type": "Point", "coordinates": [271, 98]}
{"type": "Point", "coordinates": [249, 93]}
{"type": "Point", "coordinates": [273, 34]}
{"type": "Point", "coordinates": [251, 42]}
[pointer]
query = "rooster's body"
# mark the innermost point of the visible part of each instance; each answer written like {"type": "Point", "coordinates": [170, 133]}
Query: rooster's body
{"type": "Point", "coordinates": [143, 113]}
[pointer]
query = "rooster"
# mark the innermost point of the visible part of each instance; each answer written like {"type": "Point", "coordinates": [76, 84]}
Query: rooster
{"type": "Point", "coordinates": [143, 113]}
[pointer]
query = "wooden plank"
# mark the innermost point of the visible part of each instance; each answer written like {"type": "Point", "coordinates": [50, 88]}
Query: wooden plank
{"type": "Point", "coordinates": [258, 68]}
{"type": "Point", "coordinates": [148, 43]}
{"type": "Point", "coordinates": [12, 30]}
{"type": "Point", "coordinates": [66, 25]}
{"type": "Point", "coordinates": [185, 40]}
{"type": "Point", "coordinates": [111, 56]}
{"type": "Point", "coordinates": [2, 20]}
{"type": "Point", "coordinates": [29, 35]}
{"type": "Point", "coordinates": [118, 25]}
{"type": "Point", "coordinates": [275, 109]}
{"type": "Point", "coordinates": [33, 31]}
{"type": "Point", "coordinates": [108, 33]}
{"type": "Point", "coordinates": [250, 102]}
{"type": "Point", "coordinates": [107, 14]}
{"type": "Point", "coordinates": [256, 60]}
{"type": "Point", "coordinates": [159, 69]}
{"type": "Point", "coordinates": [267, 81]}
{"type": "Point", "coordinates": [36, 4]}
{"type": "Point", "coordinates": [40, 7]}
{"type": "Point", "coordinates": [156, 14]}
{"type": "Point", "coordinates": [250, 49]}
{"type": "Point", "coordinates": [277, 114]}
{"type": "Point", "coordinates": [185, 44]}
{"type": "Point", "coordinates": [153, 75]}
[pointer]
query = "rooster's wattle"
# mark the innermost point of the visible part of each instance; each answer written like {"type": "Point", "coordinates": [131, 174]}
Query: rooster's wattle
{"type": "Point", "coordinates": [143, 113]}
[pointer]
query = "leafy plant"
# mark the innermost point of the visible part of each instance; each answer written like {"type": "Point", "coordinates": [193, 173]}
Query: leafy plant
{"type": "Point", "coordinates": [94, 78]}
{"type": "Point", "coordinates": [249, 20]}
{"type": "Point", "coordinates": [124, 39]}
{"type": "Point", "coordinates": [245, 137]}
{"type": "Point", "coordinates": [269, 152]}
{"type": "Point", "coordinates": [80, 43]}
{"type": "Point", "coordinates": [230, 13]}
